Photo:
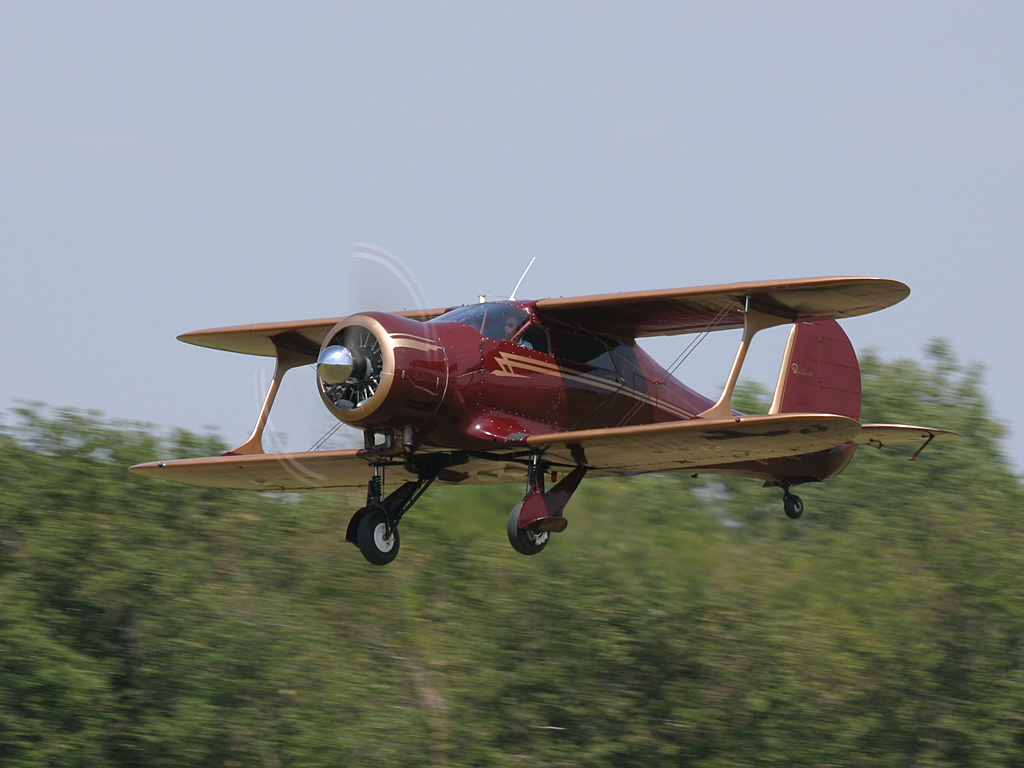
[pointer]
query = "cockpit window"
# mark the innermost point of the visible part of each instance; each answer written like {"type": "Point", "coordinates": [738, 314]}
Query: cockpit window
{"type": "Point", "coordinates": [472, 316]}
{"type": "Point", "coordinates": [581, 348]}
{"type": "Point", "coordinates": [495, 321]}
{"type": "Point", "coordinates": [535, 337]}
{"type": "Point", "coordinates": [500, 322]}
{"type": "Point", "coordinates": [504, 322]}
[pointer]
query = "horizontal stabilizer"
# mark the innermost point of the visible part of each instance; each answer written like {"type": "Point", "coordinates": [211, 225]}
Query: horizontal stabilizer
{"type": "Point", "coordinates": [881, 435]}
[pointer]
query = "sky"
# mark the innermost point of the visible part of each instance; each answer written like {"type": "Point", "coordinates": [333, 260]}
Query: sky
{"type": "Point", "coordinates": [171, 166]}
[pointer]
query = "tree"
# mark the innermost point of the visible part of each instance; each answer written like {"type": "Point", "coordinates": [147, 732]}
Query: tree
{"type": "Point", "coordinates": [675, 622]}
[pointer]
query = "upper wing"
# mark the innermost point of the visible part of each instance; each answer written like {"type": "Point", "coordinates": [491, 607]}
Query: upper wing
{"type": "Point", "coordinates": [697, 442]}
{"type": "Point", "coordinates": [312, 470]}
{"type": "Point", "coordinates": [720, 307]}
{"type": "Point", "coordinates": [303, 336]}
{"type": "Point", "coordinates": [632, 315]}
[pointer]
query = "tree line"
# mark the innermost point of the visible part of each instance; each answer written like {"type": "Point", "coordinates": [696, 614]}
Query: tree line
{"type": "Point", "coordinates": [677, 621]}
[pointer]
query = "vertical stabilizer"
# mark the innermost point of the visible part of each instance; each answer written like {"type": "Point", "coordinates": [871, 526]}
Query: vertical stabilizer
{"type": "Point", "coordinates": [820, 373]}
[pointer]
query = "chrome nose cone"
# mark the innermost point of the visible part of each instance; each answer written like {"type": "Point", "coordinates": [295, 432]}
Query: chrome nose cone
{"type": "Point", "coordinates": [335, 365]}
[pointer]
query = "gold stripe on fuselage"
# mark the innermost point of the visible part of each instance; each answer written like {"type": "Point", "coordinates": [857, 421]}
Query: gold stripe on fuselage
{"type": "Point", "coordinates": [519, 366]}
{"type": "Point", "coordinates": [509, 362]}
{"type": "Point", "coordinates": [415, 342]}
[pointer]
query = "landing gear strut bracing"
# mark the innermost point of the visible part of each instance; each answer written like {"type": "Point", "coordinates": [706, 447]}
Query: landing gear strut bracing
{"type": "Point", "coordinates": [533, 520]}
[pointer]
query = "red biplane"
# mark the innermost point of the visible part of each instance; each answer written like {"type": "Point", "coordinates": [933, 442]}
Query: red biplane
{"type": "Point", "coordinates": [548, 391]}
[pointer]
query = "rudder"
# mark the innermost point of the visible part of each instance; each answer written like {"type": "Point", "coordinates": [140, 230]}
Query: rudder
{"type": "Point", "coordinates": [820, 372]}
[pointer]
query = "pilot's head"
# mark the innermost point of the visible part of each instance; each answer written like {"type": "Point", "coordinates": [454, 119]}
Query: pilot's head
{"type": "Point", "coordinates": [512, 324]}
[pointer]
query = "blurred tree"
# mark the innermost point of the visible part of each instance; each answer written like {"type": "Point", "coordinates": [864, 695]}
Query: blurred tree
{"type": "Point", "coordinates": [676, 621]}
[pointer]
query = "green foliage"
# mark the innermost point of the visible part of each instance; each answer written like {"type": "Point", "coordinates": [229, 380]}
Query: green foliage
{"type": "Point", "coordinates": [675, 622]}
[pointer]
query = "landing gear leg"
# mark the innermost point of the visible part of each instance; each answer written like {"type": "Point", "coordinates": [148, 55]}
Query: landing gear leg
{"type": "Point", "coordinates": [374, 528]}
{"type": "Point", "coordinates": [539, 514]}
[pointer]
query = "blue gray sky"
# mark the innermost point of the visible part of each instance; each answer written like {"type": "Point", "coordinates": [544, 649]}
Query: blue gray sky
{"type": "Point", "coordinates": [167, 166]}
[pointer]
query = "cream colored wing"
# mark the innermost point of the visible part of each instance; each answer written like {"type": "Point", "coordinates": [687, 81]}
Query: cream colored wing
{"type": "Point", "coordinates": [697, 442]}
{"type": "Point", "coordinates": [613, 451]}
{"type": "Point", "coordinates": [303, 336]}
{"type": "Point", "coordinates": [720, 307]}
{"type": "Point", "coordinates": [314, 470]}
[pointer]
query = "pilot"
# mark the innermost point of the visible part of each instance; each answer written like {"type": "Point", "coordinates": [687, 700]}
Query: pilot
{"type": "Point", "coordinates": [512, 326]}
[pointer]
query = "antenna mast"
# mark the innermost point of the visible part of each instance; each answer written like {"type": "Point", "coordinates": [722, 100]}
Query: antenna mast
{"type": "Point", "coordinates": [513, 296]}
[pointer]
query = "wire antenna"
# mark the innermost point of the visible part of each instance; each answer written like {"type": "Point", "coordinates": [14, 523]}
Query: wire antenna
{"type": "Point", "coordinates": [513, 296]}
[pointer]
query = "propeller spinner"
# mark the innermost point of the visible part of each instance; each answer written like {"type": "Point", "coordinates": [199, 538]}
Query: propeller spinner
{"type": "Point", "coordinates": [349, 368]}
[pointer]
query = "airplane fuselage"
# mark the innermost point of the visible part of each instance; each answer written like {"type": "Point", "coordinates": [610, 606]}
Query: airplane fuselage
{"type": "Point", "coordinates": [492, 374]}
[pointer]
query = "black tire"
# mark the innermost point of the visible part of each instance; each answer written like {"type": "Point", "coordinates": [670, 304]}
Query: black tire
{"type": "Point", "coordinates": [523, 541]}
{"type": "Point", "coordinates": [377, 548]}
{"type": "Point", "coordinates": [352, 532]}
{"type": "Point", "coordinates": [794, 506]}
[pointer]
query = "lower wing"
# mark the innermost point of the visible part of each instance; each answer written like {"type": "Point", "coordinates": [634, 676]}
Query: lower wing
{"type": "Point", "coordinates": [697, 442]}
{"type": "Point", "coordinates": [612, 451]}
{"type": "Point", "coordinates": [316, 470]}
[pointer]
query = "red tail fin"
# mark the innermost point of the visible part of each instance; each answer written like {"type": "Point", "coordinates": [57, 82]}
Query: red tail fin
{"type": "Point", "coordinates": [820, 373]}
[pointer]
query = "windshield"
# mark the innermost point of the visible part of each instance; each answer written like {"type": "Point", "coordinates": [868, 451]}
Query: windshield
{"type": "Point", "coordinates": [495, 321]}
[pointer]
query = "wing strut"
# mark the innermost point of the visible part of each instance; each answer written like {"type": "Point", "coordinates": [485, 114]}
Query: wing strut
{"type": "Point", "coordinates": [286, 360]}
{"type": "Point", "coordinates": [753, 321]}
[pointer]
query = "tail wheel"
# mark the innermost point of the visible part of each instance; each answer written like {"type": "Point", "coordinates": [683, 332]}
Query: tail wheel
{"type": "Point", "coordinates": [376, 538]}
{"type": "Point", "coordinates": [794, 506]}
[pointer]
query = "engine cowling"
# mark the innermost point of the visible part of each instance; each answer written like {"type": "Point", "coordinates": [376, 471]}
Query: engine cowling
{"type": "Point", "coordinates": [382, 372]}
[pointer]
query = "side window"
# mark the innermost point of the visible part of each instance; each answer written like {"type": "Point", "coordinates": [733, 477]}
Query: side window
{"type": "Point", "coordinates": [503, 322]}
{"type": "Point", "coordinates": [588, 350]}
{"type": "Point", "coordinates": [537, 338]}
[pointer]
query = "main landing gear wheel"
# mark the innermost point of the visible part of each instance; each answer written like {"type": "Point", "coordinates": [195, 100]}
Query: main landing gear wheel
{"type": "Point", "coordinates": [794, 505]}
{"type": "Point", "coordinates": [372, 537]}
{"type": "Point", "coordinates": [523, 540]}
